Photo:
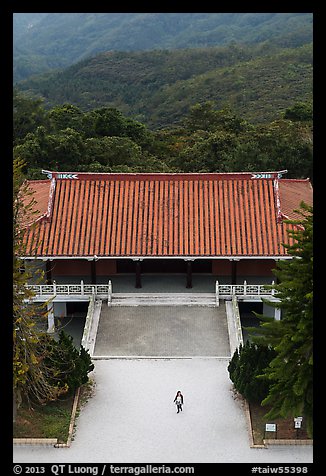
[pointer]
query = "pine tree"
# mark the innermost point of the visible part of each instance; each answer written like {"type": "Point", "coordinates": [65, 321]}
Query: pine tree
{"type": "Point", "coordinates": [72, 365]}
{"type": "Point", "coordinates": [246, 365]}
{"type": "Point", "coordinates": [233, 364]}
{"type": "Point", "coordinates": [291, 371]}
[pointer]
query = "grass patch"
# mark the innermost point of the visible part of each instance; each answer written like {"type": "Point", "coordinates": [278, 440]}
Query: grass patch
{"type": "Point", "coordinates": [51, 420]}
{"type": "Point", "coordinates": [45, 421]}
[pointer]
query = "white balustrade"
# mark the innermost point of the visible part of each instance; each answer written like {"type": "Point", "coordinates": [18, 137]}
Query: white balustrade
{"type": "Point", "coordinates": [70, 289]}
{"type": "Point", "coordinates": [88, 322]}
{"type": "Point", "coordinates": [237, 320]}
{"type": "Point", "coordinates": [243, 290]}
{"type": "Point", "coordinates": [222, 291]}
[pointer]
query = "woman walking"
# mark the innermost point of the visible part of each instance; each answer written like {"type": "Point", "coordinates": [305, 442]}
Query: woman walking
{"type": "Point", "coordinates": [178, 401]}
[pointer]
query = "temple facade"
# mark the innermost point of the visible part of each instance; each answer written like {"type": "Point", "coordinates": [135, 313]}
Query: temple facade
{"type": "Point", "coordinates": [96, 226]}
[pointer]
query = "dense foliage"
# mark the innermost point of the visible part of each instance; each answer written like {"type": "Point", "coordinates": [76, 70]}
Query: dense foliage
{"type": "Point", "coordinates": [44, 41]}
{"type": "Point", "coordinates": [70, 365]}
{"type": "Point", "coordinates": [207, 140]}
{"type": "Point", "coordinates": [31, 375]}
{"type": "Point", "coordinates": [43, 368]}
{"type": "Point", "coordinates": [290, 373]}
{"type": "Point", "coordinates": [247, 364]}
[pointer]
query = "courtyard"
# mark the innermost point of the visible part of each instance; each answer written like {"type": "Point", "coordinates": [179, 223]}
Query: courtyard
{"type": "Point", "coordinates": [131, 418]}
{"type": "Point", "coordinates": [143, 355]}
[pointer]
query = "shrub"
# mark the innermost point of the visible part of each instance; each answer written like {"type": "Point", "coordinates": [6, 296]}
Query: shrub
{"type": "Point", "coordinates": [70, 366]}
{"type": "Point", "coordinates": [246, 366]}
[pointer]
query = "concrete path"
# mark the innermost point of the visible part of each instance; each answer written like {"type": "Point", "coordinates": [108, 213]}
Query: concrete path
{"type": "Point", "coordinates": [131, 418]}
{"type": "Point", "coordinates": [162, 331]}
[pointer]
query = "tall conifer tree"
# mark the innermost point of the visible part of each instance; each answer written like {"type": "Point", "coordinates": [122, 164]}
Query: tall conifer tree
{"type": "Point", "coordinates": [290, 372]}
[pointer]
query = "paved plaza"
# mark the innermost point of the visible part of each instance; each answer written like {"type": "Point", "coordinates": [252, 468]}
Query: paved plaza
{"type": "Point", "coordinates": [131, 418]}
{"type": "Point", "coordinates": [162, 331]}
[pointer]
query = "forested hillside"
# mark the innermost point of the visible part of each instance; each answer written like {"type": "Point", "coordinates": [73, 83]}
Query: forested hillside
{"type": "Point", "coordinates": [56, 40]}
{"type": "Point", "coordinates": [159, 87]}
{"type": "Point", "coordinates": [208, 140]}
{"type": "Point", "coordinates": [207, 93]}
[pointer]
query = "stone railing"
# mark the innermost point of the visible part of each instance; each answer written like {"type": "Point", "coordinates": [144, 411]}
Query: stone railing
{"type": "Point", "coordinates": [88, 322]}
{"type": "Point", "coordinates": [237, 320]}
{"type": "Point", "coordinates": [223, 291]}
{"type": "Point", "coordinates": [102, 290]}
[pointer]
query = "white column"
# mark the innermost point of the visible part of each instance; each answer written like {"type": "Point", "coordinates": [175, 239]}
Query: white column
{"type": "Point", "coordinates": [51, 326]}
{"type": "Point", "coordinates": [217, 294]}
{"type": "Point", "coordinates": [277, 314]}
{"type": "Point", "coordinates": [272, 312]}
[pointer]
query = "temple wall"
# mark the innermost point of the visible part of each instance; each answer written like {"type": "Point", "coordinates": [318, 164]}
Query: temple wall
{"type": "Point", "coordinates": [82, 268]}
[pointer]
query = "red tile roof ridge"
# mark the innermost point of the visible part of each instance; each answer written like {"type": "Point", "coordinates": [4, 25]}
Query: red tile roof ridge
{"type": "Point", "coordinates": [162, 175]}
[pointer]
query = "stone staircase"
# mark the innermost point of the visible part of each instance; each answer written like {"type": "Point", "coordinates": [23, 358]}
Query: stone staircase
{"type": "Point", "coordinates": [163, 299]}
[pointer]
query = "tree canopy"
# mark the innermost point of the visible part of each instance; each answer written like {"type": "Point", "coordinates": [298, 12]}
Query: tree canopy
{"type": "Point", "coordinates": [291, 372]}
{"type": "Point", "coordinates": [208, 139]}
{"type": "Point", "coordinates": [43, 369]}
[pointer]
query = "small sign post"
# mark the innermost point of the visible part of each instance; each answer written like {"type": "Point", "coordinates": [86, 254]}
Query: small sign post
{"type": "Point", "coordinates": [297, 424]}
{"type": "Point", "coordinates": [272, 427]}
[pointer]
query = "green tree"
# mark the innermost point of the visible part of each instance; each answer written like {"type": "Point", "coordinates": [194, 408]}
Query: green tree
{"type": "Point", "coordinates": [64, 149]}
{"type": "Point", "coordinates": [209, 152]}
{"type": "Point", "coordinates": [205, 116]}
{"type": "Point", "coordinates": [291, 371]}
{"type": "Point", "coordinates": [32, 378]}
{"type": "Point", "coordinates": [70, 365]}
{"type": "Point", "coordinates": [112, 151]}
{"type": "Point", "coordinates": [66, 116]}
{"type": "Point", "coordinates": [246, 365]}
{"type": "Point", "coordinates": [43, 369]}
{"type": "Point", "coordinates": [280, 145]}
{"type": "Point", "coordinates": [28, 114]}
{"type": "Point", "coordinates": [201, 117]}
{"type": "Point", "coordinates": [299, 112]}
{"type": "Point", "coordinates": [109, 122]}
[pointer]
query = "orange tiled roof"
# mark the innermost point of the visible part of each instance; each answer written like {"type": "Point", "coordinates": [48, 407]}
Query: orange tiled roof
{"type": "Point", "coordinates": [291, 192]}
{"type": "Point", "coordinates": [157, 215]}
{"type": "Point", "coordinates": [40, 191]}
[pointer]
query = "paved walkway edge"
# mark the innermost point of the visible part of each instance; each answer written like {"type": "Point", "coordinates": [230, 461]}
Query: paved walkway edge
{"type": "Point", "coordinates": [72, 422]}
{"type": "Point", "coordinates": [35, 441]}
{"type": "Point", "coordinates": [288, 442]}
{"type": "Point", "coordinates": [94, 326]}
{"type": "Point", "coordinates": [249, 426]}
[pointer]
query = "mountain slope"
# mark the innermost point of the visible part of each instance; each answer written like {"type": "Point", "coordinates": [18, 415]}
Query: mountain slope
{"type": "Point", "coordinates": [158, 87]}
{"type": "Point", "coordinates": [24, 22]}
{"type": "Point", "coordinates": [58, 40]}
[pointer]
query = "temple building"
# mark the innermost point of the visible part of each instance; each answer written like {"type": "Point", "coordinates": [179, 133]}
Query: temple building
{"type": "Point", "coordinates": [95, 226]}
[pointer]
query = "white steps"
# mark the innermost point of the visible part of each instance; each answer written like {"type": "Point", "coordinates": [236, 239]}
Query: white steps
{"type": "Point", "coordinates": [163, 299]}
